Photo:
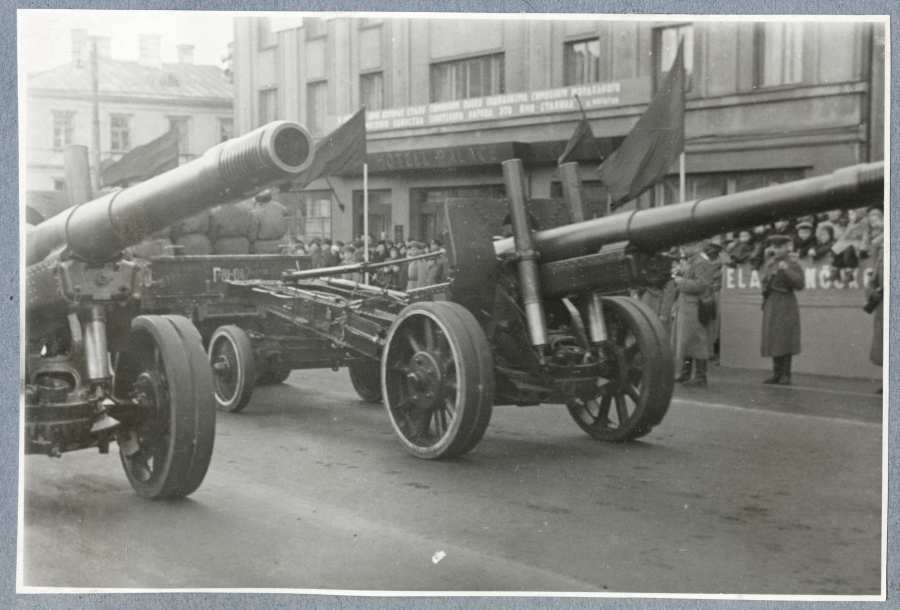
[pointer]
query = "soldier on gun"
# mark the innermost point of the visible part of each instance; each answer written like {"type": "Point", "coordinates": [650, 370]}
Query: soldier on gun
{"type": "Point", "coordinates": [268, 225]}
{"type": "Point", "coordinates": [229, 229]}
{"type": "Point", "coordinates": [192, 235]}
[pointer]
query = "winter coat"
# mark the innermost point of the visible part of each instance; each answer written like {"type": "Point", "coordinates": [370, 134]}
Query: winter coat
{"type": "Point", "coordinates": [229, 229]}
{"type": "Point", "coordinates": [781, 313]}
{"type": "Point", "coordinates": [417, 275]}
{"type": "Point", "coordinates": [691, 337]}
{"type": "Point", "coordinates": [191, 235]}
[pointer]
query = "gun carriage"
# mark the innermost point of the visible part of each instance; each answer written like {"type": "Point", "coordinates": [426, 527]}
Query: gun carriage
{"type": "Point", "coordinates": [539, 318]}
{"type": "Point", "coordinates": [95, 369]}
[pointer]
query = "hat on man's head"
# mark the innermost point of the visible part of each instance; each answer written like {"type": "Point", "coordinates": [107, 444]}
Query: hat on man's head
{"type": "Point", "coordinates": [264, 196]}
{"type": "Point", "coordinates": [779, 240]}
{"type": "Point", "coordinates": [805, 225]}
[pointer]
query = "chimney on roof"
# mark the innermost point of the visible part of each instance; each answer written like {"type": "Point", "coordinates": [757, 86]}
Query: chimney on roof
{"type": "Point", "coordinates": [102, 46]}
{"type": "Point", "coordinates": [80, 49]}
{"type": "Point", "coordinates": [185, 53]}
{"type": "Point", "coordinates": [149, 50]}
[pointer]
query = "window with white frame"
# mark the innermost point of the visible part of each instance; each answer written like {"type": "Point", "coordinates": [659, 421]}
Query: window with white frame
{"type": "Point", "coordinates": [467, 78]}
{"type": "Point", "coordinates": [119, 132]}
{"type": "Point", "coordinates": [63, 128]}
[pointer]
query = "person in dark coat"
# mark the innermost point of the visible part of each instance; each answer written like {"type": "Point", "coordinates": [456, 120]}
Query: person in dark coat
{"type": "Point", "coordinates": [268, 225]}
{"type": "Point", "coordinates": [694, 281]}
{"type": "Point", "coordinates": [229, 229]}
{"type": "Point", "coordinates": [192, 235]}
{"type": "Point", "coordinates": [821, 251]}
{"type": "Point", "coordinates": [780, 276]}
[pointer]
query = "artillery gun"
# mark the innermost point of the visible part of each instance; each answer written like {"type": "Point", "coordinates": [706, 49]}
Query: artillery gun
{"type": "Point", "coordinates": [96, 370]}
{"type": "Point", "coordinates": [542, 317]}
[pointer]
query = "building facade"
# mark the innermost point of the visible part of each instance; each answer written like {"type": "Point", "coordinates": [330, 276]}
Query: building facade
{"type": "Point", "coordinates": [448, 99]}
{"type": "Point", "coordinates": [137, 101]}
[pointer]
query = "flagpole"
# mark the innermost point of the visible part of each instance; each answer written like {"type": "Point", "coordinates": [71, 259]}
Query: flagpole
{"type": "Point", "coordinates": [366, 217]}
{"type": "Point", "coordinates": [681, 176]}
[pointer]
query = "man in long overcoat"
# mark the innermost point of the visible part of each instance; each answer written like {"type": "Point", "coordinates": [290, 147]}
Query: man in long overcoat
{"type": "Point", "coordinates": [694, 280]}
{"type": "Point", "coordinates": [780, 276]}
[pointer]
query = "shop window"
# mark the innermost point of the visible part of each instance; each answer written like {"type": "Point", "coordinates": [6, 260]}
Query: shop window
{"type": "Point", "coordinates": [226, 129]}
{"type": "Point", "coordinates": [371, 90]}
{"type": "Point", "coordinates": [268, 106]}
{"type": "Point", "coordinates": [316, 102]}
{"type": "Point", "coordinates": [666, 41]}
{"type": "Point", "coordinates": [63, 128]}
{"type": "Point", "coordinates": [703, 186]}
{"type": "Point", "coordinates": [581, 61]}
{"type": "Point", "coordinates": [119, 132]}
{"type": "Point", "coordinates": [779, 54]}
{"type": "Point", "coordinates": [181, 124]}
{"type": "Point", "coordinates": [379, 213]}
{"type": "Point", "coordinates": [466, 78]}
{"type": "Point", "coordinates": [309, 214]}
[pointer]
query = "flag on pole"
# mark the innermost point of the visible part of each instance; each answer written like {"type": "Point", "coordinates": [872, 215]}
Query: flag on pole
{"type": "Point", "coordinates": [654, 143]}
{"type": "Point", "coordinates": [342, 150]}
{"type": "Point", "coordinates": [582, 145]}
{"type": "Point", "coordinates": [143, 162]}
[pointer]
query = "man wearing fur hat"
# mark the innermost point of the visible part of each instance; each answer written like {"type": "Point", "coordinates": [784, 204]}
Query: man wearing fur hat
{"type": "Point", "coordinates": [780, 276]}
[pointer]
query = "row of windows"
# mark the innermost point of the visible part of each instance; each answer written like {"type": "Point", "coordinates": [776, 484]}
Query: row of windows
{"type": "Point", "coordinates": [312, 209]}
{"type": "Point", "coordinates": [779, 62]}
{"type": "Point", "coordinates": [120, 129]}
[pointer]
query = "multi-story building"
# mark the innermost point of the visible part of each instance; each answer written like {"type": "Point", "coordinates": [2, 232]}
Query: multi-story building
{"type": "Point", "coordinates": [137, 102]}
{"type": "Point", "coordinates": [449, 99]}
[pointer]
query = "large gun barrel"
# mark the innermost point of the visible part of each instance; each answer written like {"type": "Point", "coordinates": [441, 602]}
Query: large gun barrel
{"type": "Point", "coordinates": [226, 173]}
{"type": "Point", "coordinates": [660, 228]}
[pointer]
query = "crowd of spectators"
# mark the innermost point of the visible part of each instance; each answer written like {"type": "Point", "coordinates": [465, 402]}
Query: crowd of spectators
{"type": "Point", "coordinates": [404, 275]}
{"type": "Point", "coordinates": [687, 303]}
{"type": "Point", "coordinates": [838, 239]}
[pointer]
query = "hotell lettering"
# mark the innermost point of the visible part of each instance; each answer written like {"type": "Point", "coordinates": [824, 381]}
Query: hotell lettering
{"type": "Point", "coordinates": [817, 278]}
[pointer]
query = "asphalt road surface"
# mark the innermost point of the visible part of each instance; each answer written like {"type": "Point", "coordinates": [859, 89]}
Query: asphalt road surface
{"type": "Point", "coordinates": [743, 489]}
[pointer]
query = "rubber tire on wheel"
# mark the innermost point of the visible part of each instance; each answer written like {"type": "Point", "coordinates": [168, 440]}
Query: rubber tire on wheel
{"type": "Point", "coordinates": [274, 374]}
{"type": "Point", "coordinates": [641, 397]}
{"type": "Point", "coordinates": [230, 347]}
{"type": "Point", "coordinates": [174, 435]}
{"type": "Point", "coordinates": [448, 335]}
{"type": "Point", "coordinates": [365, 375]}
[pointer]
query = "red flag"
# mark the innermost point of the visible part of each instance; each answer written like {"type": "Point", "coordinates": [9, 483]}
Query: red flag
{"type": "Point", "coordinates": [582, 145]}
{"type": "Point", "coordinates": [144, 162]}
{"type": "Point", "coordinates": [341, 151]}
{"type": "Point", "coordinates": [654, 143]}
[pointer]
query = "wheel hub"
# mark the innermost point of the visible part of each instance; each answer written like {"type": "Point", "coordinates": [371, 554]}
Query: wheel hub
{"type": "Point", "coordinates": [426, 380]}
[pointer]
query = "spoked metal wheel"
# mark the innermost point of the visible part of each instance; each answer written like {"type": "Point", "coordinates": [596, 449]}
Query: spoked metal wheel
{"type": "Point", "coordinates": [365, 375]}
{"type": "Point", "coordinates": [166, 438]}
{"type": "Point", "coordinates": [438, 379]}
{"type": "Point", "coordinates": [233, 366]}
{"type": "Point", "coordinates": [637, 393]}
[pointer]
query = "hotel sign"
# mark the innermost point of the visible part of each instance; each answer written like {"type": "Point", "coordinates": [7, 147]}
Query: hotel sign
{"type": "Point", "coordinates": [511, 105]}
